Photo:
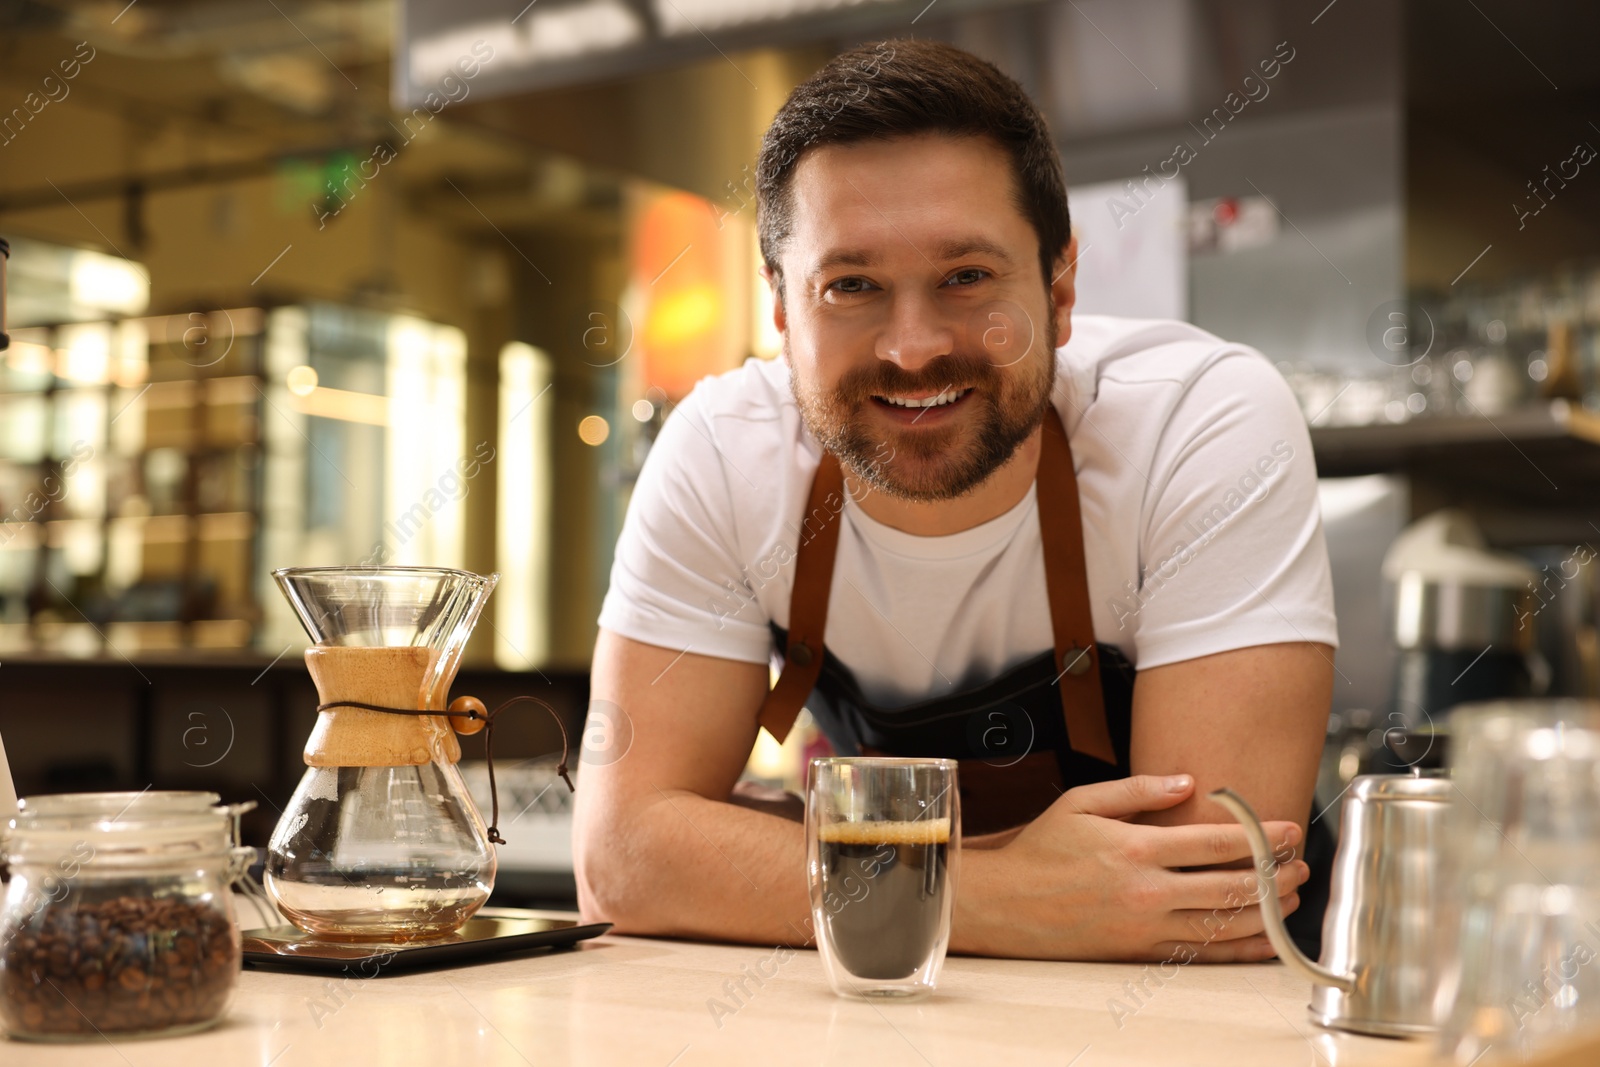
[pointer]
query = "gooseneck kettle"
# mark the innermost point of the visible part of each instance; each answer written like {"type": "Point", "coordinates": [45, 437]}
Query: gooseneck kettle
{"type": "Point", "coordinates": [1382, 941]}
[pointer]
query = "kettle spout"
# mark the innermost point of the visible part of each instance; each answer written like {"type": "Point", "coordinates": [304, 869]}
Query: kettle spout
{"type": "Point", "coordinates": [1271, 909]}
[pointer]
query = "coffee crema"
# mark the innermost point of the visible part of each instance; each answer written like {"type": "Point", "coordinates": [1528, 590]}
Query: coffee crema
{"type": "Point", "coordinates": [904, 832]}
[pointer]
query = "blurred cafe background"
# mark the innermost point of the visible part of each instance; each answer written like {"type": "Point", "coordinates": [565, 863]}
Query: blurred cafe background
{"type": "Point", "coordinates": [406, 281]}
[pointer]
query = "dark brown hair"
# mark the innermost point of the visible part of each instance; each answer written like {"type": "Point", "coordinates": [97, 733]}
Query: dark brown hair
{"type": "Point", "coordinates": [901, 87]}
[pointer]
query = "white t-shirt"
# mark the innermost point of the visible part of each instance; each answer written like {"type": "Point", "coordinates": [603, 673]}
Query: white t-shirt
{"type": "Point", "coordinates": [1195, 480]}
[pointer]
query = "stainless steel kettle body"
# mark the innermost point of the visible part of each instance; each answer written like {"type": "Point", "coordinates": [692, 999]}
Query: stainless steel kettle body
{"type": "Point", "coordinates": [1382, 938]}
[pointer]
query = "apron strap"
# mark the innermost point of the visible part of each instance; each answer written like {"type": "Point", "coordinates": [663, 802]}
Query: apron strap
{"type": "Point", "coordinates": [808, 602]}
{"type": "Point", "coordinates": [1067, 585]}
{"type": "Point", "coordinates": [1066, 580]}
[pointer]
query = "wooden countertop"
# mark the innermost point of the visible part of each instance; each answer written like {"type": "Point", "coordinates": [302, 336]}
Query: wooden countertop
{"type": "Point", "coordinates": [624, 1000]}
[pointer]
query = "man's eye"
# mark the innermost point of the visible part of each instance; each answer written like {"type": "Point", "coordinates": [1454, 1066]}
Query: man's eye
{"type": "Point", "coordinates": [967, 277]}
{"type": "Point", "coordinates": [850, 285]}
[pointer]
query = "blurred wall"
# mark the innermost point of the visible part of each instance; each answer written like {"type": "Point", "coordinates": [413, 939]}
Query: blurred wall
{"type": "Point", "coordinates": [239, 223]}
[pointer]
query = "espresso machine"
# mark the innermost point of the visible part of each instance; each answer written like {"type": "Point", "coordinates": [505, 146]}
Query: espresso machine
{"type": "Point", "coordinates": [1464, 624]}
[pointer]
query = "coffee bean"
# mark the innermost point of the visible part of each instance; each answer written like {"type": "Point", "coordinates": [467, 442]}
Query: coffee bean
{"type": "Point", "coordinates": [121, 965]}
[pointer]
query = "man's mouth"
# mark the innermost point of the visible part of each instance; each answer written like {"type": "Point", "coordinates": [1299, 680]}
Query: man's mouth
{"type": "Point", "coordinates": [948, 395]}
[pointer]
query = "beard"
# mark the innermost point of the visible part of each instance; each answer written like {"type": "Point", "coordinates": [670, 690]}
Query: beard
{"type": "Point", "coordinates": [934, 463]}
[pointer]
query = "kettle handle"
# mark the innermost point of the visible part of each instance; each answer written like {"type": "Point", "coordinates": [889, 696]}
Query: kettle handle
{"type": "Point", "coordinates": [1271, 910]}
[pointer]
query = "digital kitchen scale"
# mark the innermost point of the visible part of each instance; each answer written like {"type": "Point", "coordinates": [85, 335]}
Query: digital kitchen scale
{"type": "Point", "coordinates": [492, 932]}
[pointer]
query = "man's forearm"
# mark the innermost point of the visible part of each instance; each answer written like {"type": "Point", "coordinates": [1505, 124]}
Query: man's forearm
{"type": "Point", "coordinates": [1267, 699]}
{"type": "Point", "coordinates": [681, 865]}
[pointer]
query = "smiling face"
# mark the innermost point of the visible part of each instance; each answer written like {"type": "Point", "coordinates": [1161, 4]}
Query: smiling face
{"type": "Point", "coordinates": [920, 335]}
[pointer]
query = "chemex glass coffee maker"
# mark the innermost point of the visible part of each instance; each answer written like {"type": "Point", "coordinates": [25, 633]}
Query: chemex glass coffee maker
{"type": "Point", "coordinates": [382, 840]}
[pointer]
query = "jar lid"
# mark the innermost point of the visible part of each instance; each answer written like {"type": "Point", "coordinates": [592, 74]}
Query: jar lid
{"type": "Point", "coordinates": [118, 826]}
{"type": "Point", "coordinates": [113, 810]}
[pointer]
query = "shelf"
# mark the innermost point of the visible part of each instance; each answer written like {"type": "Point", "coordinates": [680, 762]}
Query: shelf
{"type": "Point", "coordinates": [1548, 452]}
{"type": "Point", "coordinates": [1531, 476]}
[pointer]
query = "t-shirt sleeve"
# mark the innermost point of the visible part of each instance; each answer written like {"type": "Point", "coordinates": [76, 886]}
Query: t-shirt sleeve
{"type": "Point", "coordinates": [676, 579]}
{"type": "Point", "coordinates": [1232, 553]}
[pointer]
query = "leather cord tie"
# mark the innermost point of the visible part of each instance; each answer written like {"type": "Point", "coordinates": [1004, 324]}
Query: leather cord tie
{"type": "Point", "coordinates": [488, 742]}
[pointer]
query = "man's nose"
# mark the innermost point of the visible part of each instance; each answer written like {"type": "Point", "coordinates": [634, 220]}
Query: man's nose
{"type": "Point", "coordinates": [918, 330]}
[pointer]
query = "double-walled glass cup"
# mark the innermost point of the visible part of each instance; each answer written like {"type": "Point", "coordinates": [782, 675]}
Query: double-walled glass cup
{"type": "Point", "coordinates": [883, 837]}
{"type": "Point", "coordinates": [1524, 861]}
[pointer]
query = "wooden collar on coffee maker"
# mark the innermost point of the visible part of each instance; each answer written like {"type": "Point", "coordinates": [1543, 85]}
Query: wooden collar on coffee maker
{"type": "Point", "coordinates": [471, 716]}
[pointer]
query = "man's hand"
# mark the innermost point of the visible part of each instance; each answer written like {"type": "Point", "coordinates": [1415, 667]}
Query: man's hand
{"type": "Point", "coordinates": [1081, 883]}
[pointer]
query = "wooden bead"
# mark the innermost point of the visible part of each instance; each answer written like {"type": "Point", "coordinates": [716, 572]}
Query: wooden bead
{"type": "Point", "coordinates": [462, 724]}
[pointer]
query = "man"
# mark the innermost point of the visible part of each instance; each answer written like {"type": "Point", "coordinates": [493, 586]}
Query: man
{"type": "Point", "coordinates": [1084, 557]}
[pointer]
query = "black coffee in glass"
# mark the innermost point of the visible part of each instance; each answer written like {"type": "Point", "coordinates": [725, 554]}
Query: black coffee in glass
{"type": "Point", "coordinates": [884, 887]}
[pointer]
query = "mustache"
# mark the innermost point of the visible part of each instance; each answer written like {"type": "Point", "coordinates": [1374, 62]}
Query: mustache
{"type": "Point", "coordinates": [883, 378]}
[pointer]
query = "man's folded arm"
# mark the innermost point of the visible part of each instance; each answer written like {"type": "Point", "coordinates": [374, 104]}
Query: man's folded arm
{"type": "Point", "coordinates": [1252, 719]}
{"type": "Point", "coordinates": [658, 846]}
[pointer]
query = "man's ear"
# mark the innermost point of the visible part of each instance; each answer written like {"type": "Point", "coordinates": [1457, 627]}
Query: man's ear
{"type": "Point", "coordinates": [1064, 288]}
{"type": "Point", "coordinates": [775, 283]}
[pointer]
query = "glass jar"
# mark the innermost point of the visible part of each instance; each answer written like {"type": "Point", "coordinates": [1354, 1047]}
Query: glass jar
{"type": "Point", "coordinates": [119, 917]}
